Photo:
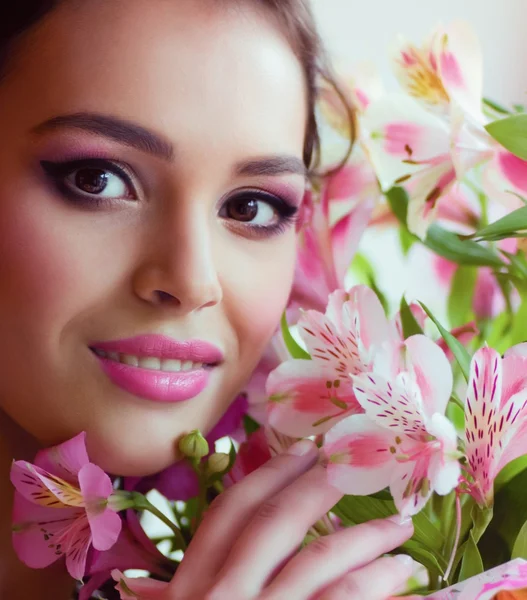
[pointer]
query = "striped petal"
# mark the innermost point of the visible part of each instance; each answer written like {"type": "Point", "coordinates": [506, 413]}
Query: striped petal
{"type": "Point", "coordinates": [395, 406]}
{"type": "Point", "coordinates": [417, 72]}
{"type": "Point", "coordinates": [78, 541]}
{"type": "Point", "coordinates": [481, 412]}
{"type": "Point", "coordinates": [43, 488]}
{"type": "Point", "coordinates": [304, 400]}
{"type": "Point", "coordinates": [38, 532]}
{"type": "Point", "coordinates": [403, 138]}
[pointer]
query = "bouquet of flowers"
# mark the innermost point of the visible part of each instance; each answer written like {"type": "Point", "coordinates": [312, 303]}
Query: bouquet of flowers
{"type": "Point", "coordinates": [413, 415]}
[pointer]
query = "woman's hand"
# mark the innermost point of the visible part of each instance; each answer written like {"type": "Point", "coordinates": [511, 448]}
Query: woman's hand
{"type": "Point", "coordinates": [247, 545]}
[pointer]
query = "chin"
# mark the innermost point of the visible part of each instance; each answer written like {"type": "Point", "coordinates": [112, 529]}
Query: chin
{"type": "Point", "coordinates": [129, 456]}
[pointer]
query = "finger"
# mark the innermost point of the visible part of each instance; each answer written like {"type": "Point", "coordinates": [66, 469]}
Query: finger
{"type": "Point", "coordinates": [331, 557]}
{"type": "Point", "coordinates": [275, 532]}
{"type": "Point", "coordinates": [229, 514]}
{"type": "Point", "coordinates": [375, 581]}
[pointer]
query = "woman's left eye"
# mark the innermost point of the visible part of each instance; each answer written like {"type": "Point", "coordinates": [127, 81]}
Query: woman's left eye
{"type": "Point", "coordinates": [259, 211]}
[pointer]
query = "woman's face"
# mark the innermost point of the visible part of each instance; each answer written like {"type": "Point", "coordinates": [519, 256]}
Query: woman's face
{"type": "Point", "coordinates": [150, 167]}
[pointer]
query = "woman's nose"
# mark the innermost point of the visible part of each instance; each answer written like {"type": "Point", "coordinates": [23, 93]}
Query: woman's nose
{"type": "Point", "coordinates": [179, 272]}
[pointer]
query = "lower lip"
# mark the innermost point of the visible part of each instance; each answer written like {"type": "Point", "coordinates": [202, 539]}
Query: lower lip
{"type": "Point", "coordinates": [158, 386]}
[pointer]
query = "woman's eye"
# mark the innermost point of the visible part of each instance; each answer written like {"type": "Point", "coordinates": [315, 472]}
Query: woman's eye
{"type": "Point", "coordinates": [250, 210]}
{"type": "Point", "coordinates": [98, 182]}
{"type": "Point", "coordinates": [91, 180]}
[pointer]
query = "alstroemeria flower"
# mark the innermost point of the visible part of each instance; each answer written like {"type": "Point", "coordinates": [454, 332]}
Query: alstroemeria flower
{"type": "Point", "coordinates": [307, 397]}
{"type": "Point", "coordinates": [495, 416]}
{"type": "Point", "coordinates": [509, 578]}
{"type": "Point", "coordinates": [138, 588]}
{"type": "Point", "coordinates": [251, 455]}
{"type": "Point", "coordinates": [62, 507]}
{"type": "Point", "coordinates": [431, 138]}
{"type": "Point", "coordinates": [133, 550]}
{"type": "Point", "coordinates": [403, 440]}
{"type": "Point", "coordinates": [327, 243]}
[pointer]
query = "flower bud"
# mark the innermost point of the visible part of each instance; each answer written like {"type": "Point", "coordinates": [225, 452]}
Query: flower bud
{"type": "Point", "coordinates": [194, 445]}
{"type": "Point", "coordinates": [218, 463]}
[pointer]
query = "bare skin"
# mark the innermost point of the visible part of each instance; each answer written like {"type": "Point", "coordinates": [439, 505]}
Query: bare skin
{"type": "Point", "coordinates": [160, 251]}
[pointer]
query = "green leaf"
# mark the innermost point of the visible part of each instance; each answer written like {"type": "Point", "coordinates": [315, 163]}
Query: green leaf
{"type": "Point", "coordinates": [463, 252]}
{"type": "Point", "coordinates": [511, 133]}
{"type": "Point", "coordinates": [510, 508]}
{"type": "Point", "coordinates": [398, 201]}
{"type": "Point", "coordinates": [291, 344]}
{"type": "Point", "coordinates": [435, 565]}
{"type": "Point", "coordinates": [495, 106]}
{"type": "Point", "coordinates": [354, 510]}
{"type": "Point", "coordinates": [458, 350]}
{"type": "Point", "coordinates": [518, 333]}
{"type": "Point", "coordinates": [461, 296]}
{"type": "Point", "coordinates": [519, 550]}
{"type": "Point", "coordinates": [406, 239]}
{"type": "Point", "coordinates": [506, 227]}
{"type": "Point", "coordinates": [363, 270]}
{"type": "Point", "coordinates": [471, 563]}
{"type": "Point", "coordinates": [509, 471]}
{"type": "Point", "coordinates": [250, 425]}
{"type": "Point", "coordinates": [409, 322]}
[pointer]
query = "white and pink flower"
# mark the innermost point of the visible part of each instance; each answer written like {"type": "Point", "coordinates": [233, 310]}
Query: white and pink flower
{"type": "Point", "coordinates": [403, 441]}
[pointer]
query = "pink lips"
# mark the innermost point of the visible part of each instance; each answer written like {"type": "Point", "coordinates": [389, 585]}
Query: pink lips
{"type": "Point", "coordinates": [159, 385]}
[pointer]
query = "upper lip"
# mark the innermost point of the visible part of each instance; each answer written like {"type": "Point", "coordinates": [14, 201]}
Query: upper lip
{"type": "Point", "coordinates": [162, 346]}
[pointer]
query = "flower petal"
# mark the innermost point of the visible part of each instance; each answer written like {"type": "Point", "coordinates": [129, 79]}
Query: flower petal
{"type": "Point", "coordinates": [429, 366]}
{"type": "Point", "coordinates": [105, 528]}
{"type": "Point", "coordinates": [94, 483]}
{"type": "Point", "coordinates": [460, 62]}
{"type": "Point", "coordinates": [408, 490]}
{"type": "Point", "coordinates": [396, 406]}
{"type": "Point", "coordinates": [481, 411]}
{"type": "Point", "coordinates": [404, 138]}
{"type": "Point", "coordinates": [65, 460]}
{"type": "Point", "coordinates": [38, 531]}
{"type": "Point", "coordinates": [304, 400]}
{"type": "Point", "coordinates": [359, 457]}
{"type": "Point", "coordinates": [78, 541]}
{"type": "Point", "coordinates": [43, 488]}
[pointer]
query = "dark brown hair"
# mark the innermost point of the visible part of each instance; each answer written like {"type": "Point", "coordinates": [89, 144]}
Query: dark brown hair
{"type": "Point", "coordinates": [294, 16]}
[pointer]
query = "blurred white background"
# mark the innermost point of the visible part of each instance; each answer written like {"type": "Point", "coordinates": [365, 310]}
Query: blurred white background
{"type": "Point", "coordinates": [356, 31]}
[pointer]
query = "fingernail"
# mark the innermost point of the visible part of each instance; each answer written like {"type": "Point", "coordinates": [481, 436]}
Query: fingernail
{"type": "Point", "coordinates": [302, 448]}
{"type": "Point", "coordinates": [400, 519]}
{"type": "Point", "coordinates": [404, 559]}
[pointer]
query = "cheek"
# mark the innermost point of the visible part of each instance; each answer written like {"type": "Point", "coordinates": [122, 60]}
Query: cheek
{"type": "Point", "coordinates": [258, 296]}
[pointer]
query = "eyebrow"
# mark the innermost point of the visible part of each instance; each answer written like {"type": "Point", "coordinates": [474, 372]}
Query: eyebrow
{"type": "Point", "coordinates": [138, 137]}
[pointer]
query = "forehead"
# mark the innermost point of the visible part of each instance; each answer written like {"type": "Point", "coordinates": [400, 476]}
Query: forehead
{"type": "Point", "coordinates": [220, 70]}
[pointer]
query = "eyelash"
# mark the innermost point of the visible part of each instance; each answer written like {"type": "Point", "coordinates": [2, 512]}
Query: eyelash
{"type": "Point", "coordinates": [287, 213]}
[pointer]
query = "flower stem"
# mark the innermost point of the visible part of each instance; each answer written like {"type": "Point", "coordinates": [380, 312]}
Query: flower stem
{"type": "Point", "coordinates": [142, 504]}
{"type": "Point", "coordinates": [456, 541]}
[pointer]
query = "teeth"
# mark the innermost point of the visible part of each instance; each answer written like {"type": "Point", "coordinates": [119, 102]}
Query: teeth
{"type": "Point", "coordinates": [172, 366]}
{"type": "Point", "coordinates": [152, 363]}
{"type": "Point", "coordinates": [126, 359]}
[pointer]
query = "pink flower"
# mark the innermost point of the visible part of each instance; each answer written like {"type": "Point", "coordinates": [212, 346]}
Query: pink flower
{"type": "Point", "coordinates": [495, 411]}
{"type": "Point", "coordinates": [63, 505]}
{"type": "Point", "coordinates": [339, 216]}
{"type": "Point", "coordinates": [307, 397]}
{"type": "Point", "coordinates": [251, 455]}
{"type": "Point", "coordinates": [403, 440]}
{"type": "Point", "coordinates": [141, 588]}
{"type": "Point", "coordinates": [511, 576]}
{"type": "Point", "coordinates": [133, 550]}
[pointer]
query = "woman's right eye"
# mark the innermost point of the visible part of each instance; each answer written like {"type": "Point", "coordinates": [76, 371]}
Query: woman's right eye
{"type": "Point", "coordinates": [91, 180]}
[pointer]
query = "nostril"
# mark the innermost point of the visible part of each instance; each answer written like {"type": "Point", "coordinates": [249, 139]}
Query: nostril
{"type": "Point", "coordinates": [165, 296]}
